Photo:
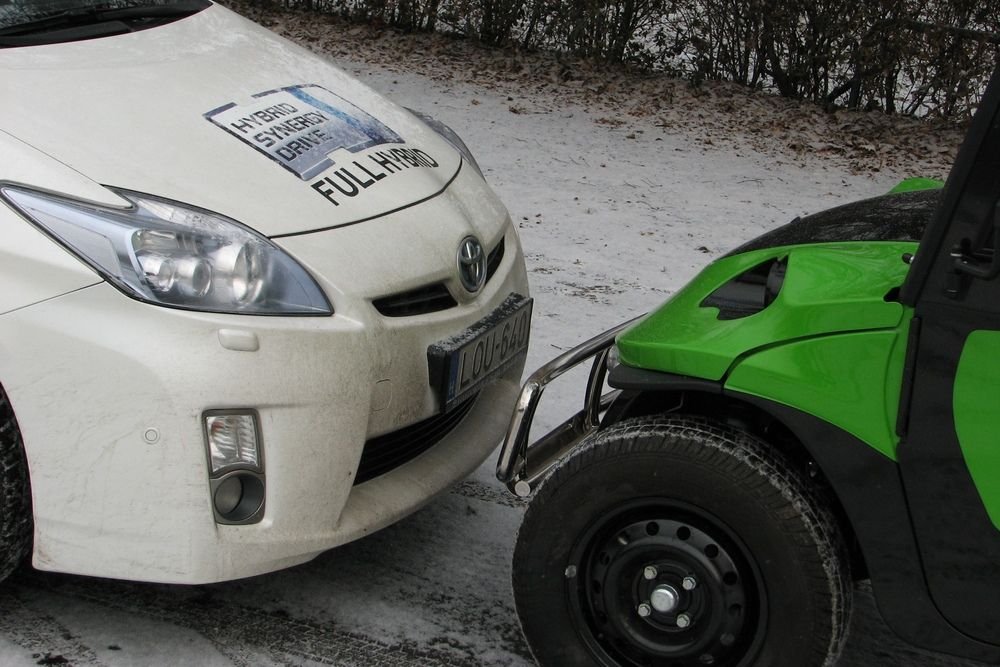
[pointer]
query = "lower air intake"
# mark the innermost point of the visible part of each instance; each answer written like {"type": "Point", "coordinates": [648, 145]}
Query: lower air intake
{"type": "Point", "coordinates": [388, 452]}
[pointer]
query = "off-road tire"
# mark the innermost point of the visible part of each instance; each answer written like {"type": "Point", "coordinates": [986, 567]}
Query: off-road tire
{"type": "Point", "coordinates": [15, 493]}
{"type": "Point", "coordinates": [776, 559]}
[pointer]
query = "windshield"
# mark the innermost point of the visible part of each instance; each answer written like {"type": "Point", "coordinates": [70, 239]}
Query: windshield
{"type": "Point", "coordinates": [31, 22]}
{"type": "Point", "coordinates": [18, 12]}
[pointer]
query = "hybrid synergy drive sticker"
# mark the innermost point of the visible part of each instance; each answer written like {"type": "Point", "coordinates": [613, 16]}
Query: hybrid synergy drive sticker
{"type": "Point", "coordinates": [299, 126]}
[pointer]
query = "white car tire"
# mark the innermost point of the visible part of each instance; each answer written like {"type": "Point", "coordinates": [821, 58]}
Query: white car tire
{"type": "Point", "coordinates": [15, 493]}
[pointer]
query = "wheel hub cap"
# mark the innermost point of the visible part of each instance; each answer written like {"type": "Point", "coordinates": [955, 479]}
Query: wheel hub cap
{"type": "Point", "coordinates": [664, 598]}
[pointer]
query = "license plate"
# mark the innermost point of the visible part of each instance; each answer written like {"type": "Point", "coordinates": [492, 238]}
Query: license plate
{"type": "Point", "coordinates": [461, 365]}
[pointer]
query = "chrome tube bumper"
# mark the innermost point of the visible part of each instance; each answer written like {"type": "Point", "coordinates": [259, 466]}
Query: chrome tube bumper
{"type": "Point", "coordinates": [522, 464]}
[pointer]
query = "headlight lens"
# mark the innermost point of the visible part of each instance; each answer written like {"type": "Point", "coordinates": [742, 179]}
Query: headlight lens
{"type": "Point", "coordinates": [450, 136]}
{"type": "Point", "coordinates": [172, 254]}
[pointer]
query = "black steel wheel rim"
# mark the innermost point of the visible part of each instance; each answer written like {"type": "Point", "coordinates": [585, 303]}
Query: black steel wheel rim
{"type": "Point", "coordinates": [660, 583]}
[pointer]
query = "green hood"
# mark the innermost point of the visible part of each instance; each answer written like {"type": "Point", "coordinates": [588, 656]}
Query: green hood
{"type": "Point", "coordinates": [742, 303]}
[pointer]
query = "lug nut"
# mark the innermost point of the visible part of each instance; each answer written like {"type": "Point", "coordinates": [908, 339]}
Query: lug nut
{"type": "Point", "coordinates": [689, 583]}
{"type": "Point", "coordinates": [649, 572]}
{"type": "Point", "coordinates": [683, 620]}
{"type": "Point", "coordinates": [644, 610]}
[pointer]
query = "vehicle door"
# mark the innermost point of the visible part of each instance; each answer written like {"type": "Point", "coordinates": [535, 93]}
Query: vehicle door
{"type": "Point", "coordinates": [949, 423]}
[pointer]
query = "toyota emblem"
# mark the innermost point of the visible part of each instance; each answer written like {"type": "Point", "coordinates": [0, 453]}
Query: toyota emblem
{"type": "Point", "coordinates": [471, 264]}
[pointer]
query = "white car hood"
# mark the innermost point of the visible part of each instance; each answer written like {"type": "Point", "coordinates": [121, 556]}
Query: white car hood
{"type": "Point", "coordinates": [214, 111]}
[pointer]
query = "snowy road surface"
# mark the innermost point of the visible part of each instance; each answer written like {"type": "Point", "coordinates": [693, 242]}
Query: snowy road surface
{"type": "Point", "coordinates": [615, 214]}
{"type": "Point", "coordinates": [431, 591]}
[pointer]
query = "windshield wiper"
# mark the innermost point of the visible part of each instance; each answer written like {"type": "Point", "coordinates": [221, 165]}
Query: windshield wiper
{"type": "Point", "coordinates": [76, 24]}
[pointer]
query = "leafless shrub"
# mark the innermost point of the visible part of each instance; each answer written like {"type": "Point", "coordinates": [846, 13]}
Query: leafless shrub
{"type": "Point", "coordinates": [913, 57]}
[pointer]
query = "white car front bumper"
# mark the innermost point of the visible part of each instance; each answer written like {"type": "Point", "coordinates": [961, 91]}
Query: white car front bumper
{"type": "Point", "coordinates": [110, 395]}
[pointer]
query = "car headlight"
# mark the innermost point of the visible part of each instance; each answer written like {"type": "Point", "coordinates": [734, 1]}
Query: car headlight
{"type": "Point", "coordinates": [171, 254]}
{"type": "Point", "coordinates": [450, 136]}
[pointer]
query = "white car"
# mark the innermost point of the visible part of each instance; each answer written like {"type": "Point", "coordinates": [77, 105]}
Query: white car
{"type": "Point", "coordinates": [250, 309]}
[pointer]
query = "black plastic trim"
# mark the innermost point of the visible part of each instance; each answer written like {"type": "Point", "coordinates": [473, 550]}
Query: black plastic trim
{"type": "Point", "coordinates": [494, 259]}
{"type": "Point", "coordinates": [423, 300]}
{"type": "Point", "coordinates": [387, 452]}
{"type": "Point", "coordinates": [432, 298]}
{"type": "Point", "coordinates": [909, 368]}
{"type": "Point", "coordinates": [871, 492]}
{"type": "Point", "coordinates": [630, 378]}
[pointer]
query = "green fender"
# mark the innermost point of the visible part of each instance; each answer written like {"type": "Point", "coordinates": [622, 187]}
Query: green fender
{"type": "Point", "coordinates": [831, 343]}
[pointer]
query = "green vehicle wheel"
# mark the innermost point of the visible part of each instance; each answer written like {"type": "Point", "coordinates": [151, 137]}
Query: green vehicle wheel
{"type": "Point", "coordinates": [680, 542]}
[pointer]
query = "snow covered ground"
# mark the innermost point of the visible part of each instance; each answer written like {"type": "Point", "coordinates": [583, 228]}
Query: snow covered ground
{"type": "Point", "coordinates": [616, 211]}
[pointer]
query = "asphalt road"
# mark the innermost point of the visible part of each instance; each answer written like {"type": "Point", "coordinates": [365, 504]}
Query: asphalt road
{"type": "Point", "coordinates": [430, 591]}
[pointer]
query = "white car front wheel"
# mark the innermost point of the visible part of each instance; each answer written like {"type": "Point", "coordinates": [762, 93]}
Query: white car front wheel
{"type": "Point", "coordinates": [15, 493]}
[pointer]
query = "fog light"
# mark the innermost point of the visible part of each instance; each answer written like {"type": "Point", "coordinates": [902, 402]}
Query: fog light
{"type": "Point", "coordinates": [238, 498]}
{"type": "Point", "coordinates": [232, 439]}
{"type": "Point", "coordinates": [228, 495]}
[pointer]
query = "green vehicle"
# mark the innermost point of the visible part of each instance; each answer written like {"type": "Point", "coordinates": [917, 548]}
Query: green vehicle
{"type": "Point", "coordinates": [819, 406]}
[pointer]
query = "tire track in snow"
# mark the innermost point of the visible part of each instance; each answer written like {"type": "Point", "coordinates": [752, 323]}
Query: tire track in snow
{"type": "Point", "coordinates": [242, 633]}
{"type": "Point", "coordinates": [48, 640]}
{"type": "Point", "coordinates": [452, 583]}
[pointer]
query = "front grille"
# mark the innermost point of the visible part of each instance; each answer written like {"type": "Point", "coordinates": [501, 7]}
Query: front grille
{"type": "Point", "coordinates": [431, 298]}
{"type": "Point", "coordinates": [388, 452]}
{"type": "Point", "coordinates": [493, 261]}
{"type": "Point", "coordinates": [427, 299]}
